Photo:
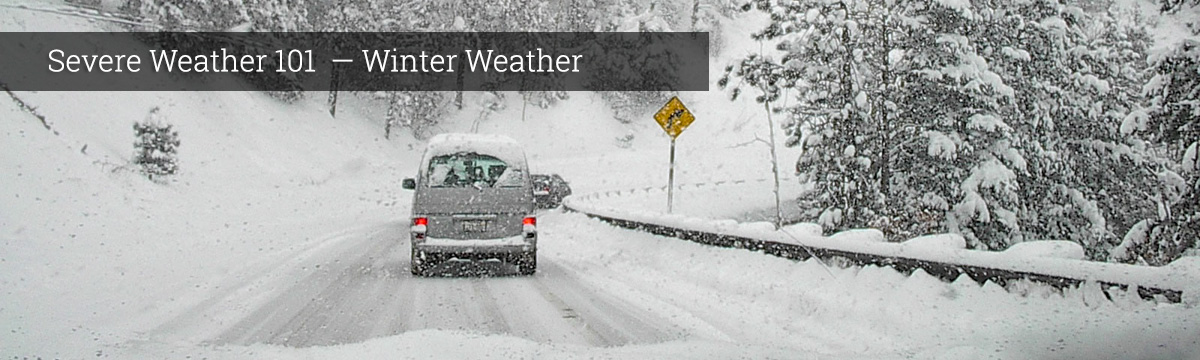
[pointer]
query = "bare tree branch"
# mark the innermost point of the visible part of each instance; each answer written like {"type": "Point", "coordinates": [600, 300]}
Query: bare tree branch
{"type": "Point", "coordinates": [26, 107]}
{"type": "Point", "coordinates": [751, 142]}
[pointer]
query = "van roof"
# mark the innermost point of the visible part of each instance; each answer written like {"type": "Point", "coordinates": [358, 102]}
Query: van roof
{"type": "Point", "coordinates": [451, 138]}
{"type": "Point", "coordinates": [499, 146]}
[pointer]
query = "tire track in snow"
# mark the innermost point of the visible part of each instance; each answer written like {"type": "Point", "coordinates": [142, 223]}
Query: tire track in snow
{"type": "Point", "coordinates": [613, 322]}
{"type": "Point", "coordinates": [257, 284]}
{"type": "Point", "coordinates": [494, 320]}
{"type": "Point", "coordinates": [298, 312]}
{"type": "Point", "coordinates": [363, 290]}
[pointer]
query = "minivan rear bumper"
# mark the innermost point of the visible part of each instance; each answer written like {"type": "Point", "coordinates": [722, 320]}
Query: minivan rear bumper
{"type": "Point", "coordinates": [506, 245]}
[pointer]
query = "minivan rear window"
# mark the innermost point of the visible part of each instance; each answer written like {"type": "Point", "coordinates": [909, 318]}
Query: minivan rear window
{"type": "Point", "coordinates": [471, 169]}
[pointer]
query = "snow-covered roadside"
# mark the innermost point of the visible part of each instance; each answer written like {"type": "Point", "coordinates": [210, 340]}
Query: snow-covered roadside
{"type": "Point", "coordinates": [92, 251]}
{"type": "Point", "coordinates": [872, 312]}
{"type": "Point", "coordinates": [640, 206]}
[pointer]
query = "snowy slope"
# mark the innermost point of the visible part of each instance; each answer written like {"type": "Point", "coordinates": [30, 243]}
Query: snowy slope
{"type": "Point", "coordinates": [92, 252]}
{"type": "Point", "coordinates": [88, 243]}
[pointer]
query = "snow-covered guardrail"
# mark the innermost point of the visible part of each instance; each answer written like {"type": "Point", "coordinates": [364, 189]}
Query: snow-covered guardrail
{"type": "Point", "coordinates": [865, 247]}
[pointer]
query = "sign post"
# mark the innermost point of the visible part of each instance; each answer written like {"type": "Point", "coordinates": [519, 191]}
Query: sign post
{"type": "Point", "coordinates": [673, 118]}
{"type": "Point", "coordinates": [671, 180]}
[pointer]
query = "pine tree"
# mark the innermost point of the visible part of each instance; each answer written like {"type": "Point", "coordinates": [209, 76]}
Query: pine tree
{"type": "Point", "coordinates": [190, 15]}
{"type": "Point", "coordinates": [1172, 119]}
{"type": "Point", "coordinates": [838, 55]}
{"type": "Point", "coordinates": [544, 99]}
{"type": "Point", "coordinates": [155, 146]}
{"type": "Point", "coordinates": [349, 16]}
{"type": "Point", "coordinates": [278, 15]}
{"type": "Point", "coordinates": [951, 167]}
{"type": "Point", "coordinates": [1098, 174]}
{"type": "Point", "coordinates": [419, 111]}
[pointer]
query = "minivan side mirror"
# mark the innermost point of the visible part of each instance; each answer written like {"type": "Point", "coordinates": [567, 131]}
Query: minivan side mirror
{"type": "Point", "coordinates": [410, 184]}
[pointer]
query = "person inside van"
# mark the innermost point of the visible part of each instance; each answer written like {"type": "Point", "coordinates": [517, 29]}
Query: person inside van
{"type": "Point", "coordinates": [451, 179]}
{"type": "Point", "coordinates": [494, 173]}
{"type": "Point", "coordinates": [477, 174]}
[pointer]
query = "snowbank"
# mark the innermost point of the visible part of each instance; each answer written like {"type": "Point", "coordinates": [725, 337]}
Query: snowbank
{"type": "Point", "coordinates": [942, 250]}
{"type": "Point", "coordinates": [1048, 248]}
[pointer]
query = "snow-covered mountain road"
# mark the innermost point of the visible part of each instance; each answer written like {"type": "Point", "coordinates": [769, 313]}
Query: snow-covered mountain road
{"type": "Point", "coordinates": [367, 292]}
{"type": "Point", "coordinates": [600, 288]}
{"type": "Point", "coordinates": [355, 286]}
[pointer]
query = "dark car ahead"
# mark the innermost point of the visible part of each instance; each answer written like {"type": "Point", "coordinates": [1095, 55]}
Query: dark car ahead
{"type": "Point", "coordinates": [549, 190]}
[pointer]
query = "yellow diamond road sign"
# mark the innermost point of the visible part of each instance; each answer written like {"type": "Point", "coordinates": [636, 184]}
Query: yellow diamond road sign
{"type": "Point", "coordinates": [674, 117]}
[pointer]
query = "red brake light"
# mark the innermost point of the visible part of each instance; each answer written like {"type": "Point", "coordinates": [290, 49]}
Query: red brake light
{"type": "Point", "coordinates": [530, 221]}
{"type": "Point", "coordinates": [420, 221]}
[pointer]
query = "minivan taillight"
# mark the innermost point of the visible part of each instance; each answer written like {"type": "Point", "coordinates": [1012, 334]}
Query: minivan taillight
{"type": "Point", "coordinates": [419, 225]}
{"type": "Point", "coordinates": [530, 227]}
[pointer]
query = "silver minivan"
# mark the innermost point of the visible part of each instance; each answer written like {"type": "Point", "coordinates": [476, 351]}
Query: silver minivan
{"type": "Point", "coordinates": [473, 200]}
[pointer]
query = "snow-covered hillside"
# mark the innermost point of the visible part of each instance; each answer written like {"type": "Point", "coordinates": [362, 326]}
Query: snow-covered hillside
{"type": "Point", "coordinates": [89, 243]}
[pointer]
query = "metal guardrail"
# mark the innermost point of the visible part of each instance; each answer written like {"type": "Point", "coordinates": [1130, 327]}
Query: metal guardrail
{"type": "Point", "coordinates": [945, 271]}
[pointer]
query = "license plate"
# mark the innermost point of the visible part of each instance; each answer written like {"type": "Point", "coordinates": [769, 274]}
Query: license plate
{"type": "Point", "coordinates": [474, 226]}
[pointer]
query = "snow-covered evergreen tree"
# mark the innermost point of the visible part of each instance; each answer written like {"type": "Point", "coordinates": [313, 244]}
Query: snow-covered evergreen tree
{"type": "Point", "coordinates": [543, 99]}
{"type": "Point", "coordinates": [956, 164]}
{"type": "Point", "coordinates": [839, 57]}
{"type": "Point", "coordinates": [277, 15]}
{"type": "Point", "coordinates": [419, 111]}
{"type": "Point", "coordinates": [1094, 175]}
{"type": "Point", "coordinates": [347, 16]}
{"type": "Point", "coordinates": [155, 146]}
{"type": "Point", "coordinates": [190, 15]}
{"type": "Point", "coordinates": [1173, 120]}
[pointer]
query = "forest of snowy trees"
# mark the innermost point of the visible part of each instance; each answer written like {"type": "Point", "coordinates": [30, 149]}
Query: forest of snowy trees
{"type": "Point", "coordinates": [1002, 121]}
